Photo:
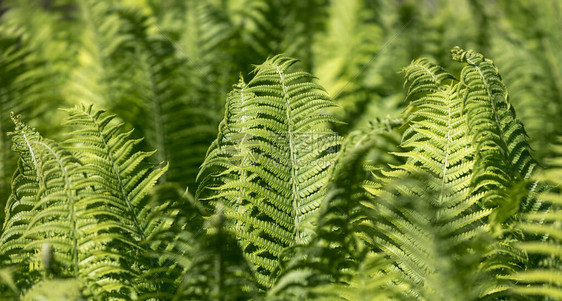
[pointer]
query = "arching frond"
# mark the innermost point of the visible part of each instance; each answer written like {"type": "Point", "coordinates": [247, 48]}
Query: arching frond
{"type": "Point", "coordinates": [423, 77]}
{"type": "Point", "coordinates": [503, 155]}
{"type": "Point", "coordinates": [438, 149]}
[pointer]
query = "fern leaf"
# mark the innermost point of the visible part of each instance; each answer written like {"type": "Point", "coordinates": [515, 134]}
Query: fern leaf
{"type": "Point", "coordinates": [438, 152]}
{"type": "Point", "coordinates": [272, 177]}
{"type": "Point", "coordinates": [424, 77]}
{"type": "Point", "coordinates": [503, 155]}
{"type": "Point", "coordinates": [338, 247]}
{"type": "Point", "coordinates": [59, 215]}
{"type": "Point", "coordinates": [542, 240]}
{"type": "Point", "coordinates": [126, 178]}
{"type": "Point", "coordinates": [24, 90]}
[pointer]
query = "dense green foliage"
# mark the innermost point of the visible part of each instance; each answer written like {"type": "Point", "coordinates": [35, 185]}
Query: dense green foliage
{"type": "Point", "coordinates": [220, 169]}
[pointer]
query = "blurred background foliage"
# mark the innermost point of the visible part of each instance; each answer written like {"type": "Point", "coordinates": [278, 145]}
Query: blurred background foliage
{"type": "Point", "coordinates": [164, 67]}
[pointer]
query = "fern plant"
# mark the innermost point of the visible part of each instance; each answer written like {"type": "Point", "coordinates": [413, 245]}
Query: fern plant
{"type": "Point", "coordinates": [439, 203]}
{"type": "Point", "coordinates": [429, 215]}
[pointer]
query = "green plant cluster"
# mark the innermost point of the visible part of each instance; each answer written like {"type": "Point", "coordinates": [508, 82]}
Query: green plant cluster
{"type": "Point", "coordinates": [223, 170]}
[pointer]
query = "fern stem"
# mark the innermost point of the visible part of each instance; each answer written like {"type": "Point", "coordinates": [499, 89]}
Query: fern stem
{"type": "Point", "coordinates": [446, 160]}
{"type": "Point", "coordinates": [116, 172]}
{"type": "Point", "coordinates": [157, 119]}
{"type": "Point", "coordinates": [33, 157]}
{"type": "Point", "coordinates": [294, 186]}
{"type": "Point", "coordinates": [243, 173]}
{"type": "Point", "coordinates": [70, 194]}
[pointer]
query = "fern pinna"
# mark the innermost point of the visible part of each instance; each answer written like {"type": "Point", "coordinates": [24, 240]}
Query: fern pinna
{"type": "Point", "coordinates": [269, 164]}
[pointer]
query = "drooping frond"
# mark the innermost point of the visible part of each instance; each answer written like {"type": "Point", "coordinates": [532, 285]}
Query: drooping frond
{"type": "Point", "coordinates": [502, 152]}
{"type": "Point", "coordinates": [423, 77]}
{"type": "Point", "coordinates": [274, 172]}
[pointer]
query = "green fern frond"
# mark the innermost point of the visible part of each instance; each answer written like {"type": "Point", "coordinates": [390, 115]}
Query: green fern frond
{"type": "Point", "coordinates": [24, 90]}
{"type": "Point", "coordinates": [526, 48]}
{"type": "Point", "coordinates": [100, 55]}
{"type": "Point", "coordinates": [542, 240]}
{"type": "Point", "coordinates": [178, 123]}
{"type": "Point", "coordinates": [520, 64]}
{"type": "Point", "coordinates": [88, 206]}
{"type": "Point", "coordinates": [338, 247]}
{"type": "Point", "coordinates": [171, 248]}
{"type": "Point", "coordinates": [58, 207]}
{"type": "Point", "coordinates": [125, 174]}
{"type": "Point", "coordinates": [128, 66]}
{"type": "Point", "coordinates": [273, 175]}
{"type": "Point", "coordinates": [503, 155]}
{"type": "Point", "coordinates": [342, 52]}
{"type": "Point", "coordinates": [28, 186]}
{"type": "Point", "coordinates": [423, 77]}
{"type": "Point", "coordinates": [438, 255]}
{"type": "Point", "coordinates": [438, 149]}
